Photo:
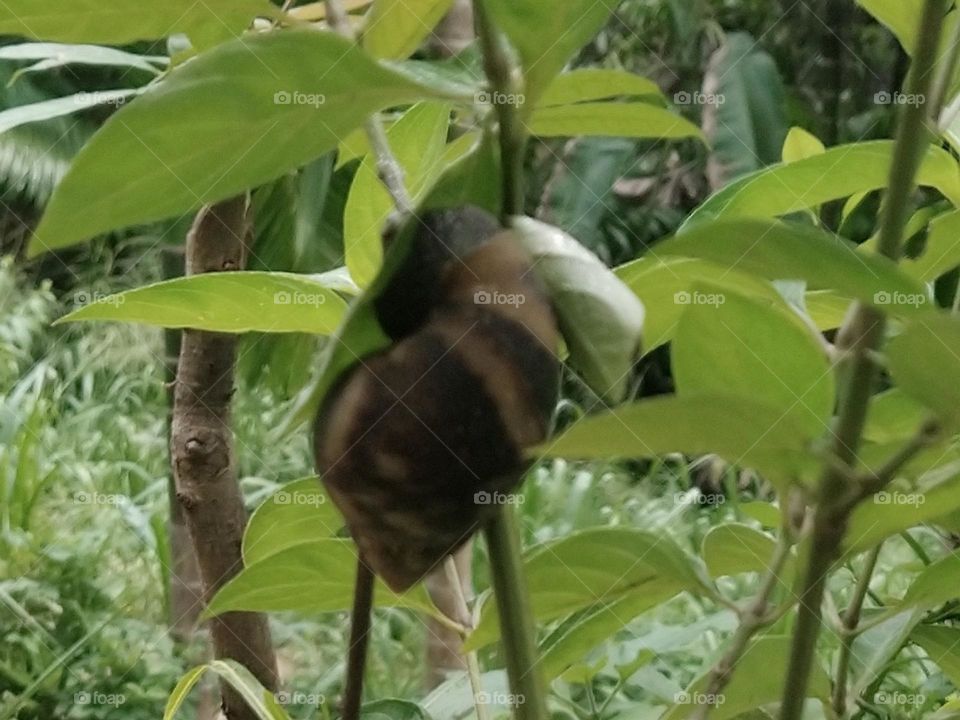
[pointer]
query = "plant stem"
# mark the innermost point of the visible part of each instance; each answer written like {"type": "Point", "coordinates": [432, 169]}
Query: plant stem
{"type": "Point", "coordinates": [859, 337]}
{"type": "Point", "coordinates": [516, 618]}
{"type": "Point", "coordinates": [473, 664]}
{"type": "Point", "coordinates": [752, 619]}
{"type": "Point", "coordinates": [506, 87]}
{"type": "Point", "coordinates": [389, 169]}
{"type": "Point", "coordinates": [851, 620]}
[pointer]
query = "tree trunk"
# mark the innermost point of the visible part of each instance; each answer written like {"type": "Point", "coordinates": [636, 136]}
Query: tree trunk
{"type": "Point", "coordinates": [201, 445]}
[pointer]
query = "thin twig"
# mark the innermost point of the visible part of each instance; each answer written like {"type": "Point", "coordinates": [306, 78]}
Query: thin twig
{"type": "Point", "coordinates": [848, 632]}
{"type": "Point", "coordinates": [874, 482]}
{"type": "Point", "coordinates": [753, 618]}
{"type": "Point", "coordinates": [463, 610]}
{"type": "Point", "coordinates": [862, 334]}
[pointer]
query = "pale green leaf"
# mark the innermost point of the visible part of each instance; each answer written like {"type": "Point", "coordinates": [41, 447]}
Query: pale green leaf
{"type": "Point", "coordinates": [925, 363]}
{"type": "Point", "coordinates": [801, 145]}
{"type": "Point", "coordinates": [604, 119]}
{"type": "Point", "coordinates": [238, 116]}
{"type": "Point", "coordinates": [588, 84]}
{"type": "Point", "coordinates": [395, 28]}
{"type": "Point", "coordinates": [58, 107]}
{"type": "Point", "coordinates": [942, 250]}
{"type": "Point", "coordinates": [234, 302]}
{"type": "Point", "coordinates": [942, 644]}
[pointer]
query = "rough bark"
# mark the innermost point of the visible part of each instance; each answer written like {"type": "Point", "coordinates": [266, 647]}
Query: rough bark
{"type": "Point", "coordinates": [204, 463]}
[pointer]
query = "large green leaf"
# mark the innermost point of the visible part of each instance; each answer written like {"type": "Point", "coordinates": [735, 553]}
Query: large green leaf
{"type": "Point", "coordinates": [938, 583]}
{"type": "Point", "coordinates": [242, 114]}
{"type": "Point", "coordinates": [233, 302]}
{"type": "Point", "coordinates": [601, 320]}
{"type": "Point", "coordinates": [314, 577]}
{"type": "Point", "coordinates": [664, 285]}
{"type": "Point", "coordinates": [638, 120]}
{"type": "Point", "coordinates": [548, 34]}
{"type": "Point", "coordinates": [790, 251]}
{"type": "Point", "coordinates": [749, 346]}
{"type": "Point", "coordinates": [395, 28]}
{"type": "Point", "coordinates": [587, 84]}
{"type": "Point", "coordinates": [740, 429]}
{"type": "Point", "coordinates": [942, 644]}
{"type": "Point", "coordinates": [418, 142]}
{"type": "Point", "coordinates": [595, 568]}
{"type": "Point", "coordinates": [754, 683]}
{"type": "Point", "coordinates": [837, 173]}
{"type": "Point", "coordinates": [299, 512]}
{"type": "Point", "coordinates": [119, 22]}
{"type": "Point", "coordinates": [745, 112]}
{"type": "Point", "coordinates": [925, 362]}
{"type": "Point", "coordinates": [942, 250]}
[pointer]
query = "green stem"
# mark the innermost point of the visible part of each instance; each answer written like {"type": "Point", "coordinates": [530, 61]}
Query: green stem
{"type": "Point", "coordinates": [463, 610]}
{"type": "Point", "coordinates": [851, 620]}
{"type": "Point", "coordinates": [861, 335]}
{"type": "Point", "coordinates": [507, 88]}
{"type": "Point", "coordinates": [516, 619]}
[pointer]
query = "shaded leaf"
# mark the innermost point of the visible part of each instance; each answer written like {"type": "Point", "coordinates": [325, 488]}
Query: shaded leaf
{"type": "Point", "coordinates": [925, 362]}
{"type": "Point", "coordinates": [636, 120]}
{"type": "Point", "coordinates": [587, 84]}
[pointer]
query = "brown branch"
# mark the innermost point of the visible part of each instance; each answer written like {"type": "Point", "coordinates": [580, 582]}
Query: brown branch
{"type": "Point", "coordinates": [201, 448]}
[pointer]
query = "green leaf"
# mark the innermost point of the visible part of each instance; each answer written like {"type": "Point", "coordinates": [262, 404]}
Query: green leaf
{"type": "Point", "coordinates": [258, 698]}
{"type": "Point", "coordinates": [313, 577]}
{"type": "Point", "coordinates": [801, 145]}
{"type": "Point", "coordinates": [664, 285]}
{"type": "Point", "coordinates": [234, 302]}
{"type": "Point", "coordinates": [59, 107]}
{"type": "Point", "coordinates": [942, 644]}
{"type": "Point", "coordinates": [418, 142]}
{"type": "Point", "coordinates": [790, 251]}
{"type": "Point", "coordinates": [732, 549]}
{"type": "Point", "coordinates": [595, 568]}
{"type": "Point", "coordinates": [937, 584]}
{"type": "Point", "coordinates": [874, 649]}
{"type": "Point", "coordinates": [636, 120]}
{"type": "Point", "coordinates": [894, 417]}
{"type": "Point", "coordinates": [299, 512]}
{"type": "Point", "coordinates": [120, 22]}
{"type": "Point", "coordinates": [752, 347]}
{"type": "Point", "coordinates": [182, 689]}
{"type": "Point", "coordinates": [744, 109]}
{"type": "Point", "coordinates": [752, 685]}
{"type": "Point", "coordinates": [236, 117]}
{"type": "Point", "coordinates": [837, 173]}
{"type": "Point", "coordinates": [55, 55]}
{"type": "Point", "coordinates": [588, 84]}
{"type": "Point", "coordinates": [740, 429]}
{"type": "Point", "coordinates": [395, 28]}
{"type": "Point", "coordinates": [925, 363]}
{"type": "Point", "coordinates": [935, 494]}
{"type": "Point", "coordinates": [600, 319]}
{"type": "Point", "coordinates": [941, 253]}
{"type": "Point", "coordinates": [548, 34]}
